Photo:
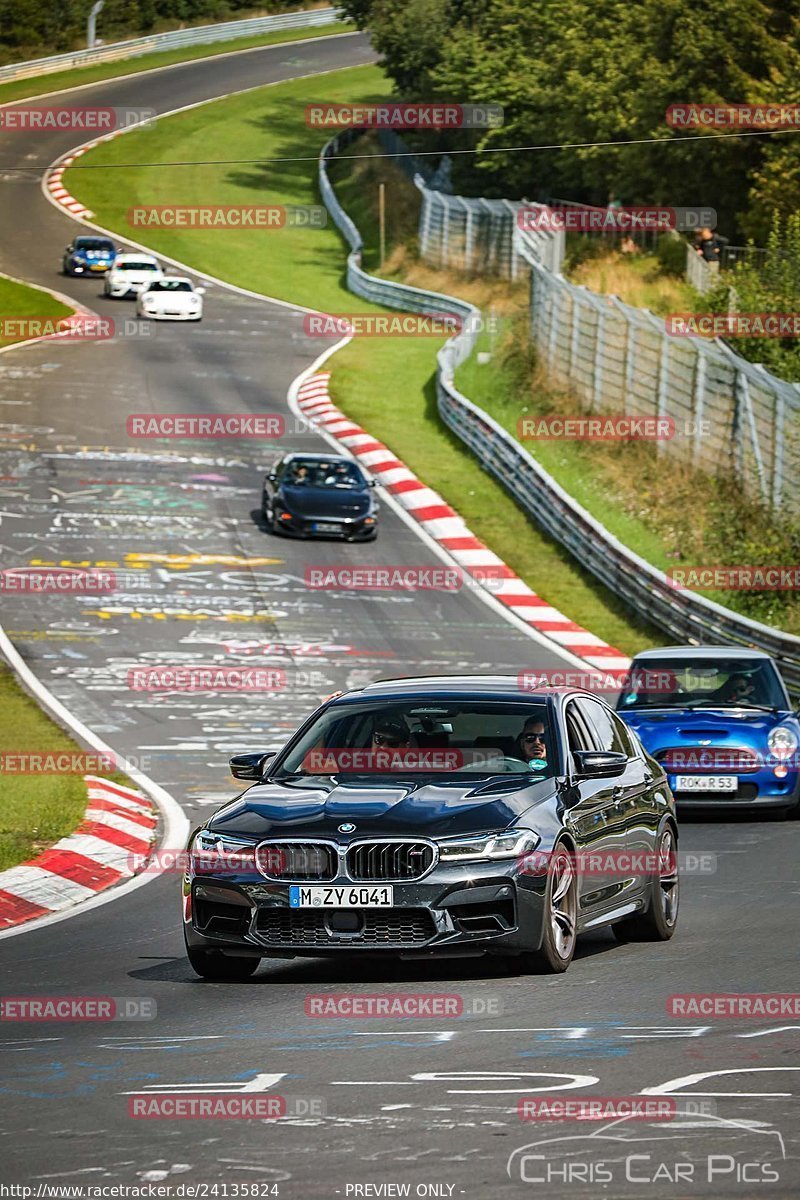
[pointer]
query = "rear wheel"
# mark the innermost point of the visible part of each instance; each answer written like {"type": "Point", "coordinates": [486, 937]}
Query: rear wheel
{"type": "Point", "coordinates": [659, 922]}
{"type": "Point", "coordinates": [560, 918]}
{"type": "Point", "coordinates": [210, 964]}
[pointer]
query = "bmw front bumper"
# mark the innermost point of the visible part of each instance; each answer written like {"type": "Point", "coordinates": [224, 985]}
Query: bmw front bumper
{"type": "Point", "coordinates": [458, 909]}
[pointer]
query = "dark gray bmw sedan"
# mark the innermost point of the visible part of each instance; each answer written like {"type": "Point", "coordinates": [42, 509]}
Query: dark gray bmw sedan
{"type": "Point", "coordinates": [447, 815]}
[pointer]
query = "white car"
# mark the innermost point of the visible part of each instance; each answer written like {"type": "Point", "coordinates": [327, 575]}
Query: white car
{"type": "Point", "coordinates": [171, 298]}
{"type": "Point", "coordinates": [129, 273]}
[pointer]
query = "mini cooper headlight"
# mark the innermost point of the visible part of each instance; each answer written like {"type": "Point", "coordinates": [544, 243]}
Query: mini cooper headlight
{"type": "Point", "coordinates": [782, 742]}
{"type": "Point", "coordinates": [487, 847]}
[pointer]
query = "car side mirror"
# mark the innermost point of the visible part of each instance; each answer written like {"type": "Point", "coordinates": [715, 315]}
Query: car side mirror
{"type": "Point", "coordinates": [272, 477]}
{"type": "Point", "coordinates": [201, 291]}
{"type": "Point", "coordinates": [250, 766]}
{"type": "Point", "coordinates": [599, 764]}
{"type": "Point", "coordinates": [372, 483]}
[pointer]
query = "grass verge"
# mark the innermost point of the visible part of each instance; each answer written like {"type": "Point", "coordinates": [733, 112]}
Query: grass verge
{"type": "Point", "coordinates": [20, 302]}
{"type": "Point", "coordinates": [45, 84]}
{"type": "Point", "coordinates": [387, 384]}
{"type": "Point", "coordinates": [37, 810]}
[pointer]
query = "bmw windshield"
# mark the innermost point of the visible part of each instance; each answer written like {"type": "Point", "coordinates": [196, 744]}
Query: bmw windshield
{"type": "Point", "coordinates": [474, 737]}
{"type": "Point", "coordinates": [686, 682]}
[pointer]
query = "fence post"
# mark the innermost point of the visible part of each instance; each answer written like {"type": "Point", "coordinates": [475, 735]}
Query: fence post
{"type": "Point", "coordinates": [599, 356]}
{"type": "Point", "coordinates": [778, 419]}
{"type": "Point", "coordinates": [663, 376]}
{"type": "Point", "coordinates": [698, 401]}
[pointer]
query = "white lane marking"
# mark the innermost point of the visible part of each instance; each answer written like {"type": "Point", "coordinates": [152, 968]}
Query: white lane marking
{"type": "Point", "coordinates": [674, 1086]}
{"type": "Point", "coordinates": [260, 1083]}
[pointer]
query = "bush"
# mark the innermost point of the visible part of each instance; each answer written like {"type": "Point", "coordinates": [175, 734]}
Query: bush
{"type": "Point", "coordinates": [671, 254]}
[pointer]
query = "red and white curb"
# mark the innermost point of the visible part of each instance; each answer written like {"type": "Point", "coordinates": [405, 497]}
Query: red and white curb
{"type": "Point", "coordinates": [448, 529]}
{"type": "Point", "coordinates": [118, 824]}
{"type": "Point", "coordinates": [55, 184]}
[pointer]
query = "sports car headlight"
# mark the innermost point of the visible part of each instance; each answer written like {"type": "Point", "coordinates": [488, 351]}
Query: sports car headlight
{"type": "Point", "coordinates": [216, 854]}
{"type": "Point", "coordinates": [782, 742]}
{"type": "Point", "coordinates": [487, 847]}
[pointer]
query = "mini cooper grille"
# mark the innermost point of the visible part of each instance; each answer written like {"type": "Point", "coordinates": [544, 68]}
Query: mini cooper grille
{"type": "Point", "coordinates": [296, 927]}
{"type": "Point", "coordinates": [375, 861]}
{"type": "Point", "coordinates": [300, 861]}
{"type": "Point", "coordinates": [700, 759]}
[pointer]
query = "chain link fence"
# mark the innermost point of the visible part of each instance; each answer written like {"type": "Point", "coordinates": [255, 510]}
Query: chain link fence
{"type": "Point", "coordinates": [728, 412]}
{"type": "Point", "coordinates": [477, 236]}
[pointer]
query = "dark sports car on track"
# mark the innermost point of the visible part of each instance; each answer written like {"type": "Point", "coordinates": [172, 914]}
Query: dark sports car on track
{"type": "Point", "coordinates": [88, 256]}
{"type": "Point", "coordinates": [720, 722]}
{"type": "Point", "coordinates": [434, 816]}
{"type": "Point", "coordinates": [320, 495]}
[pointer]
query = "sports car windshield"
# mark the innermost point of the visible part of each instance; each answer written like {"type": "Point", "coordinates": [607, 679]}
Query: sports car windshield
{"type": "Point", "coordinates": [93, 244]}
{"type": "Point", "coordinates": [472, 737]}
{"type": "Point", "coordinates": [137, 266]}
{"type": "Point", "coordinates": [313, 473]}
{"type": "Point", "coordinates": [691, 683]}
{"type": "Point", "coordinates": [170, 285]}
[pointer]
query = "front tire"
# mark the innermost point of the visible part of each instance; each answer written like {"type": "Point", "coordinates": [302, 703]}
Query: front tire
{"type": "Point", "coordinates": [210, 964]}
{"type": "Point", "coordinates": [560, 918]}
{"type": "Point", "coordinates": [658, 923]}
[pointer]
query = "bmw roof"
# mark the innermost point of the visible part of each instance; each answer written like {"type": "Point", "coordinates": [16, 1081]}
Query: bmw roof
{"type": "Point", "coordinates": [500, 687]}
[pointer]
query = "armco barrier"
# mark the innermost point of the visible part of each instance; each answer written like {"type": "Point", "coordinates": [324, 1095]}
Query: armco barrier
{"type": "Point", "coordinates": [681, 613]}
{"type": "Point", "coordinates": [199, 36]}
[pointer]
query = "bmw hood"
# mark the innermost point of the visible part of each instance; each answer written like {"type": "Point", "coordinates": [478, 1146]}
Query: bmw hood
{"type": "Point", "coordinates": [317, 807]}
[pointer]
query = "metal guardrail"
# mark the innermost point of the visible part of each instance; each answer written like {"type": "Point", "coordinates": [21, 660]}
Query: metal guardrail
{"type": "Point", "coordinates": [175, 39]}
{"type": "Point", "coordinates": [683, 614]}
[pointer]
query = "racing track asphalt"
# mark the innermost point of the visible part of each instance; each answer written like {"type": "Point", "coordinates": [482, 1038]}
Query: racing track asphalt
{"type": "Point", "coordinates": [75, 488]}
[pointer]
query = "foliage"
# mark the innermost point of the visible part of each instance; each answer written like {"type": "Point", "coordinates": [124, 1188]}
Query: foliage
{"type": "Point", "coordinates": [573, 72]}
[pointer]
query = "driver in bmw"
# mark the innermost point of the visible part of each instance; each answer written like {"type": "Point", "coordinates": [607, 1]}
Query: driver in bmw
{"type": "Point", "coordinates": [531, 743]}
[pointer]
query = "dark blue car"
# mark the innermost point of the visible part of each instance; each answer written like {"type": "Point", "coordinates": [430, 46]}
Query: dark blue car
{"type": "Point", "coordinates": [89, 255]}
{"type": "Point", "coordinates": [720, 722]}
{"type": "Point", "coordinates": [320, 495]}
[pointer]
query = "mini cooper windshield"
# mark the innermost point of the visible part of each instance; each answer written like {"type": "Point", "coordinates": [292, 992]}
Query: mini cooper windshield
{"type": "Point", "coordinates": [691, 683]}
{"type": "Point", "coordinates": [469, 737]}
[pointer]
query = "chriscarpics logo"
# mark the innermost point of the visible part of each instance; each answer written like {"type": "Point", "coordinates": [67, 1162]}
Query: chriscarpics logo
{"type": "Point", "coordinates": [677, 1156]}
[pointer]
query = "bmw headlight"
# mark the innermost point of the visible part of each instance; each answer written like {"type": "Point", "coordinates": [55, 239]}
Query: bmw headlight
{"type": "Point", "coordinates": [218, 854]}
{"type": "Point", "coordinates": [488, 847]}
{"type": "Point", "coordinates": [782, 742]}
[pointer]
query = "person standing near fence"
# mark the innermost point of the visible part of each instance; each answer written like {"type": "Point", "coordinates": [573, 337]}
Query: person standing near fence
{"type": "Point", "coordinates": [709, 245]}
